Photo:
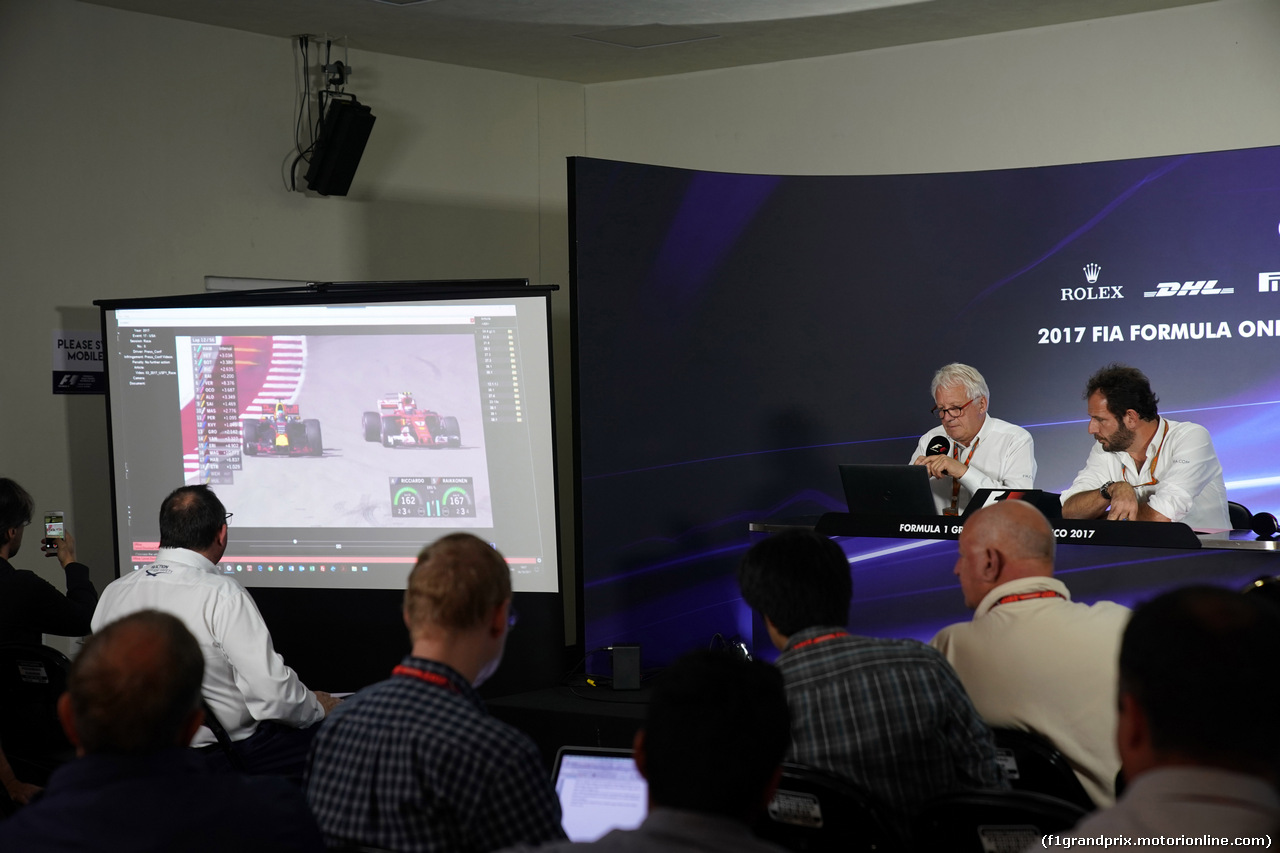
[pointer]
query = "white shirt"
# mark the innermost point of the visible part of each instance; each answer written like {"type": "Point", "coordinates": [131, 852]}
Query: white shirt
{"type": "Point", "coordinates": [1005, 458]}
{"type": "Point", "coordinates": [1049, 666]}
{"type": "Point", "coordinates": [245, 679]}
{"type": "Point", "coordinates": [1188, 801]}
{"type": "Point", "coordinates": [1190, 488]}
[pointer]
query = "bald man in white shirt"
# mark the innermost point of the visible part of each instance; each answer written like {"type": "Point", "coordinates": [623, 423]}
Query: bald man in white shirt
{"type": "Point", "coordinates": [1031, 658]}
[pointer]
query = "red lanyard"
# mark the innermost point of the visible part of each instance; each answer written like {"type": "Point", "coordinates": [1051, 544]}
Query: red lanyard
{"type": "Point", "coordinates": [815, 640]}
{"type": "Point", "coordinates": [1154, 459]}
{"type": "Point", "coordinates": [955, 451]}
{"type": "Point", "coordinates": [1046, 593]}
{"type": "Point", "coordinates": [955, 481]}
{"type": "Point", "coordinates": [429, 677]}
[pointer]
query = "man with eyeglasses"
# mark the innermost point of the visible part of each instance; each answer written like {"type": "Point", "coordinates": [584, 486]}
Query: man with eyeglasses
{"type": "Point", "coordinates": [415, 762]}
{"type": "Point", "coordinates": [268, 713]}
{"type": "Point", "coordinates": [1144, 467]}
{"type": "Point", "coordinates": [970, 450]}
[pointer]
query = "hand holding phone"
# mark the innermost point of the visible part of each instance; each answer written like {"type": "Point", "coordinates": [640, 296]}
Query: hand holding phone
{"type": "Point", "coordinates": [55, 532]}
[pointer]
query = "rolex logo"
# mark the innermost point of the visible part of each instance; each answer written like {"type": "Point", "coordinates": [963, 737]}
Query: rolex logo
{"type": "Point", "coordinates": [1083, 294]}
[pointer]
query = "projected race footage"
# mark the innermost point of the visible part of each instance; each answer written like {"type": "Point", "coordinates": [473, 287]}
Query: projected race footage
{"type": "Point", "coordinates": [261, 414]}
{"type": "Point", "coordinates": [342, 438]}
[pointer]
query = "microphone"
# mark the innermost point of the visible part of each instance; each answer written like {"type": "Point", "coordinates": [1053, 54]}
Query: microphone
{"type": "Point", "coordinates": [938, 446]}
{"type": "Point", "coordinates": [1265, 525]}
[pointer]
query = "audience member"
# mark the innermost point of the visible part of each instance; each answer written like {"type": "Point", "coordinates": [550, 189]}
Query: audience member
{"type": "Point", "coordinates": [264, 707]}
{"type": "Point", "coordinates": [891, 715]}
{"type": "Point", "coordinates": [30, 606]}
{"type": "Point", "coordinates": [712, 742]}
{"type": "Point", "coordinates": [20, 793]}
{"type": "Point", "coordinates": [1032, 658]}
{"type": "Point", "coordinates": [1196, 732]}
{"type": "Point", "coordinates": [132, 703]}
{"type": "Point", "coordinates": [415, 763]}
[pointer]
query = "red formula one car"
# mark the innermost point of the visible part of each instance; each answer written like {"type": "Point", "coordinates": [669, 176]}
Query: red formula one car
{"type": "Point", "coordinates": [400, 423]}
{"type": "Point", "coordinates": [283, 433]}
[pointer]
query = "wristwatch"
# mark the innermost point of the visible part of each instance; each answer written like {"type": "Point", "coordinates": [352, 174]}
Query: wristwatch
{"type": "Point", "coordinates": [1105, 490]}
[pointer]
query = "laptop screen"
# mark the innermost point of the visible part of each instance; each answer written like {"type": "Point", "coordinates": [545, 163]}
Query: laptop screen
{"type": "Point", "coordinates": [599, 790]}
{"type": "Point", "coordinates": [887, 489]}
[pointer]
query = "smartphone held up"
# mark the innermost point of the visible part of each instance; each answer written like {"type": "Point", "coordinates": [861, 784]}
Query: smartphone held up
{"type": "Point", "coordinates": [54, 531]}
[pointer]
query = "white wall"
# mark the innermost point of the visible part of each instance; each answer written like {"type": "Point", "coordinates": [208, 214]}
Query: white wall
{"type": "Point", "coordinates": [1196, 78]}
{"type": "Point", "coordinates": [141, 154]}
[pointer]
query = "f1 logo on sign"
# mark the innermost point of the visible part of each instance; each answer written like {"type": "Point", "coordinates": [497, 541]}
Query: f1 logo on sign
{"type": "Point", "coordinates": [78, 383]}
{"type": "Point", "coordinates": [77, 362]}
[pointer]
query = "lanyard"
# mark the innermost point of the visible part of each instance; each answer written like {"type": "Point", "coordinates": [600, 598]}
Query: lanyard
{"type": "Point", "coordinates": [815, 640]}
{"type": "Point", "coordinates": [955, 481]}
{"type": "Point", "coordinates": [1046, 593]}
{"type": "Point", "coordinates": [1154, 460]}
{"type": "Point", "coordinates": [422, 675]}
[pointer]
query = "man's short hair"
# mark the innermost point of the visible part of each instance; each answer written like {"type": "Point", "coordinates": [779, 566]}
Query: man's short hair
{"type": "Point", "coordinates": [798, 579]}
{"type": "Point", "coordinates": [1020, 529]}
{"type": "Point", "coordinates": [457, 582]}
{"type": "Point", "coordinates": [135, 684]}
{"type": "Point", "coordinates": [191, 517]}
{"type": "Point", "coordinates": [960, 374]}
{"type": "Point", "coordinates": [1124, 388]}
{"type": "Point", "coordinates": [716, 729]}
{"type": "Point", "coordinates": [15, 507]}
{"type": "Point", "coordinates": [1200, 661]}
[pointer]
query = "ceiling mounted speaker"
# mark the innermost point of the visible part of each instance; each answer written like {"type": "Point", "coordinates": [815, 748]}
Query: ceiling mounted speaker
{"type": "Point", "coordinates": [343, 133]}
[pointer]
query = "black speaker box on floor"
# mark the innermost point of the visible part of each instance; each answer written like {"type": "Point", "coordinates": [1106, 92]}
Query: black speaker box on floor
{"type": "Point", "coordinates": [626, 666]}
{"type": "Point", "coordinates": [343, 134]}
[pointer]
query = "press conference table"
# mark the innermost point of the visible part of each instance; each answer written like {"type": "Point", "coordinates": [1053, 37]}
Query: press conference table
{"type": "Point", "coordinates": [904, 586]}
{"type": "Point", "coordinates": [1145, 534]}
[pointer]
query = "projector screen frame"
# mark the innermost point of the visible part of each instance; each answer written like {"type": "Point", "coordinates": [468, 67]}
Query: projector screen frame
{"type": "Point", "coordinates": [296, 614]}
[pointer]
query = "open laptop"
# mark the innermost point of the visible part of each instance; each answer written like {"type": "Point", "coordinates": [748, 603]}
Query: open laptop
{"type": "Point", "coordinates": [600, 789]}
{"type": "Point", "coordinates": [887, 489]}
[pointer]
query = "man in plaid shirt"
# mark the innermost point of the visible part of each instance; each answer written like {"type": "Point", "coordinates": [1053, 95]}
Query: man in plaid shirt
{"type": "Point", "coordinates": [890, 715]}
{"type": "Point", "coordinates": [415, 763]}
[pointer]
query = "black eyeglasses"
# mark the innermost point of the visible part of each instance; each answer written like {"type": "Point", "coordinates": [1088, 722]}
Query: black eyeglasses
{"type": "Point", "coordinates": [226, 519]}
{"type": "Point", "coordinates": [951, 411]}
{"type": "Point", "coordinates": [512, 616]}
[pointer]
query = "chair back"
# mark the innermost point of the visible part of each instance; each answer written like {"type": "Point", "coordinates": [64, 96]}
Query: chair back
{"type": "Point", "coordinates": [1241, 518]}
{"type": "Point", "coordinates": [816, 811]}
{"type": "Point", "coordinates": [984, 821]}
{"type": "Point", "coordinates": [1031, 763]}
{"type": "Point", "coordinates": [32, 677]}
